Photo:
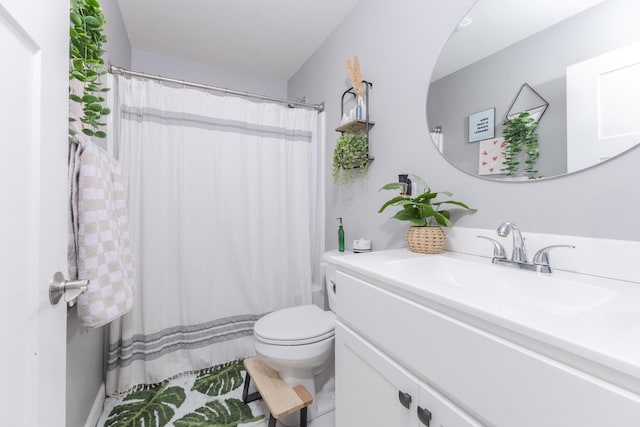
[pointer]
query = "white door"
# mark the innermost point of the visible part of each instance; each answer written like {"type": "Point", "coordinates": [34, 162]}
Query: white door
{"type": "Point", "coordinates": [602, 107]}
{"type": "Point", "coordinates": [33, 169]}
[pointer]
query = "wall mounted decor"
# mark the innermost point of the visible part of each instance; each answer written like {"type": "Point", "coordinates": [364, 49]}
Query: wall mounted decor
{"type": "Point", "coordinates": [528, 100]}
{"type": "Point", "coordinates": [482, 125]}
{"type": "Point", "coordinates": [572, 136]}
{"type": "Point", "coordinates": [352, 147]}
{"type": "Point", "coordinates": [491, 157]}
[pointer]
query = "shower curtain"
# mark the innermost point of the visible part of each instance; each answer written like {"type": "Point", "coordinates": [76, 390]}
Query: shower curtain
{"type": "Point", "coordinates": [222, 195]}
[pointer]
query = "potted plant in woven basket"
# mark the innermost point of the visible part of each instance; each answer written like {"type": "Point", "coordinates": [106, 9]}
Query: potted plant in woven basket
{"type": "Point", "coordinates": [426, 216]}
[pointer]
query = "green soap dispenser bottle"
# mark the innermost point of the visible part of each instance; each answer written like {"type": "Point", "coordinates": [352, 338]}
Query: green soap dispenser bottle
{"type": "Point", "coordinates": [340, 236]}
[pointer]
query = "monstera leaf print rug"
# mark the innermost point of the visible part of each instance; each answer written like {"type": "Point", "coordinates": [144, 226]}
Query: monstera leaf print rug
{"type": "Point", "coordinates": [209, 398]}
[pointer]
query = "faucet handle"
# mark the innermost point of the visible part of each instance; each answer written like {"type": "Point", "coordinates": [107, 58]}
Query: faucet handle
{"type": "Point", "coordinates": [542, 256]}
{"type": "Point", "coordinates": [498, 249]}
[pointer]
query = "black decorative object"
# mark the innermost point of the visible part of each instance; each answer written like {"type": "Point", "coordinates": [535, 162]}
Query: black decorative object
{"type": "Point", "coordinates": [530, 101]}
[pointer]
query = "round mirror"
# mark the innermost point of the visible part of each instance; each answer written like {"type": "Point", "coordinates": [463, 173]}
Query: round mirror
{"type": "Point", "coordinates": [525, 90]}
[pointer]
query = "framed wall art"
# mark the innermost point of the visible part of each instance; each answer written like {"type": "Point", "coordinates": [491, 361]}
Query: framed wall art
{"type": "Point", "coordinates": [482, 125]}
{"type": "Point", "coordinates": [491, 156]}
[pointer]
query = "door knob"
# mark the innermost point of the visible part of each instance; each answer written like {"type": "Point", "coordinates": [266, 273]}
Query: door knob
{"type": "Point", "coordinates": [58, 287]}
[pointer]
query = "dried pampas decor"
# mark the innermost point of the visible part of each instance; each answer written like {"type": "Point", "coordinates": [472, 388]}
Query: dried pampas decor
{"type": "Point", "coordinates": [355, 75]}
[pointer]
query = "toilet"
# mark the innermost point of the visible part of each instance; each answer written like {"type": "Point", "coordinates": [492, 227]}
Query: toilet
{"type": "Point", "coordinates": [298, 343]}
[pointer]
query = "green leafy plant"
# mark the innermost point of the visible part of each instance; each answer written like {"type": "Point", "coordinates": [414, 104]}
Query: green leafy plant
{"type": "Point", "coordinates": [151, 406]}
{"type": "Point", "coordinates": [521, 136]}
{"type": "Point", "coordinates": [351, 152]}
{"type": "Point", "coordinates": [219, 380]}
{"type": "Point", "coordinates": [86, 64]}
{"type": "Point", "coordinates": [215, 414]}
{"type": "Point", "coordinates": [422, 210]}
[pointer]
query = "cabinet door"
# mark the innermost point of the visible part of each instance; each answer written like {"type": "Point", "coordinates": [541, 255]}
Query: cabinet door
{"type": "Point", "coordinates": [371, 390]}
{"type": "Point", "coordinates": [435, 410]}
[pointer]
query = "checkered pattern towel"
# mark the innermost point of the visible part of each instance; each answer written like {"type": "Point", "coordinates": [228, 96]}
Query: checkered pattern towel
{"type": "Point", "coordinates": [99, 241]}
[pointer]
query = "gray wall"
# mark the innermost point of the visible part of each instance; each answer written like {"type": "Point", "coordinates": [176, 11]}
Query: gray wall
{"type": "Point", "coordinates": [85, 347]}
{"type": "Point", "coordinates": [398, 44]}
{"type": "Point", "coordinates": [166, 66]}
{"type": "Point", "coordinates": [541, 61]}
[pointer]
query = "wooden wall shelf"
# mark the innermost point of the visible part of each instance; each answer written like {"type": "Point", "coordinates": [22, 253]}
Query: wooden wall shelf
{"type": "Point", "coordinates": [355, 126]}
{"type": "Point", "coordinates": [356, 162]}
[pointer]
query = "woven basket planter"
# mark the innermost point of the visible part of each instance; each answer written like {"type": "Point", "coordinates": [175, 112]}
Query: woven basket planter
{"type": "Point", "coordinates": [426, 240]}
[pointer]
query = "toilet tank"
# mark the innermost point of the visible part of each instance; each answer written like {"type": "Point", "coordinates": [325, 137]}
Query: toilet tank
{"type": "Point", "coordinates": [329, 268]}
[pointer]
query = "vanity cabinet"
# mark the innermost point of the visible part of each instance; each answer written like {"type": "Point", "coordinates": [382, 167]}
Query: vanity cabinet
{"type": "Point", "coordinates": [373, 390]}
{"type": "Point", "coordinates": [464, 375]}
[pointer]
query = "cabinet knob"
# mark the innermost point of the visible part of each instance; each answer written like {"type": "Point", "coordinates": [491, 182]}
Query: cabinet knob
{"type": "Point", "coordinates": [424, 415]}
{"type": "Point", "coordinates": [405, 399]}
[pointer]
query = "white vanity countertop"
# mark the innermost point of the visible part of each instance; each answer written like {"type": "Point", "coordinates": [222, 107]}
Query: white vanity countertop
{"type": "Point", "coordinates": [593, 317]}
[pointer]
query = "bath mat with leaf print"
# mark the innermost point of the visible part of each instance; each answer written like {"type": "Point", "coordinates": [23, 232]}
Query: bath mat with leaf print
{"type": "Point", "coordinates": [209, 398]}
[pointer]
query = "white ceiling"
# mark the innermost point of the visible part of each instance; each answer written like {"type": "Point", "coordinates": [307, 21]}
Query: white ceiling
{"type": "Point", "coordinates": [500, 23]}
{"type": "Point", "coordinates": [273, 38]}
{"type": "Point", "coordinates": [266, 38]}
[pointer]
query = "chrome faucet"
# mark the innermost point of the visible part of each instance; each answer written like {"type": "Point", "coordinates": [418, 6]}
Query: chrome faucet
{"type": "Point", "coordinates": [498, 249]}
{"type": "Point", "coordinates": [519, 253]}
{"type": "Point", "coordinates": [518, 259]}
{"type": "Point", "coordinates": [541, 258]}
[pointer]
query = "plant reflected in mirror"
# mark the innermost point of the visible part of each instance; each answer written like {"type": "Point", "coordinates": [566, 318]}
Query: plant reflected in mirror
{"type": "Point", "coordinates": [521, 145]}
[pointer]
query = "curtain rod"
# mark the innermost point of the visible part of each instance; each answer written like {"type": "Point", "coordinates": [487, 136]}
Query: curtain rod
{"type": "Point", "coordinates": [121, 71]}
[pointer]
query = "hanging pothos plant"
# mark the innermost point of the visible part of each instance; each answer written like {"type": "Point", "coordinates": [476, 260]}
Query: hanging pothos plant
{"type": "Point", "coordinates": [351, 152]}
{"type": "Point", "coordinates": [520, 134]}
{"type": "Point", "coordinates": [86, 64]}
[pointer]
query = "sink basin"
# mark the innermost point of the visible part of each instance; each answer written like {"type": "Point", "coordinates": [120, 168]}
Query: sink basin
{"type": "Point", "coordinates": [593, 317]}
{"type": "Point", "coordinates": [509, 287]}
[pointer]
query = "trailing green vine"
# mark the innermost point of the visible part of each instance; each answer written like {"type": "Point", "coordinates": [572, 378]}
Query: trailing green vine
{"type": "Point", "coordinates": [520, 134]}
{"type": "Point", "coordinates": [351, 152]}
{"type": "Point", "coordinates": [86, 64]}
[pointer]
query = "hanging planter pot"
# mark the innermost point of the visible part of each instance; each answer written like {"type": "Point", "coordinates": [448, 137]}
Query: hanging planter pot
{"type": "Point", "coordinates": [521, 137]}
{"type": "Point", "coordinates": [351, 154]}
{"type": "Point", "coordinates": [426, 240]}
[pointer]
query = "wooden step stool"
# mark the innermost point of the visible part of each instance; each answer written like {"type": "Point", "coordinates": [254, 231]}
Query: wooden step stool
{"type": "Point", "coordinates": [280, 399]}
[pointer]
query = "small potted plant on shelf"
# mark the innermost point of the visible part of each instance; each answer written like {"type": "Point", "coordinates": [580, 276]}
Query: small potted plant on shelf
{"type": "Point", "coordinates": [425, 214]}
{"type": "Point", "coordinates": [520, 134]}
{"type": "Point", "coordinates": [351, 152]}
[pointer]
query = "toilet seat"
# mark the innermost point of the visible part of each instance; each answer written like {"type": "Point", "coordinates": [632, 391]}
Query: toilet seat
{"type": "Point", "coordinates": [300, 325]}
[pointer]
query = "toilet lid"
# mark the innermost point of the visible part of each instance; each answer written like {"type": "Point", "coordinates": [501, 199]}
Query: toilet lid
{"type": "Point", "coordinates": [305, 324]}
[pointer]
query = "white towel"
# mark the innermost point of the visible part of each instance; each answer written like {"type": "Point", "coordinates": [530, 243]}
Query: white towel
{"type": "Point", "coordinates": [99, 241]}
